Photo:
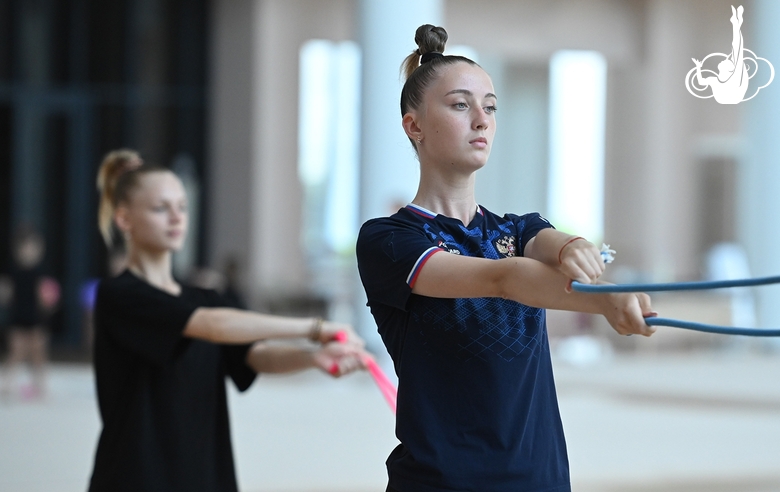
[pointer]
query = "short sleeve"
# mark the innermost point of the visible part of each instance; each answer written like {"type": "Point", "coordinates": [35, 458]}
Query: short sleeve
{"type": "Point", "coordinates": [390, 256]}
{"type": "Point", "coordinates": [234, 359]}
{"type": "Point", "coordinates": [528, 226]}
{"type": "Point", "coordinates": [233, 356]}
{"type": "Point", "coordinates": [145, 320]}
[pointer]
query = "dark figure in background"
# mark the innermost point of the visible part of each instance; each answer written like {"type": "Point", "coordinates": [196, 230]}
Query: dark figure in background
{"type": "Point", "coordinates": [32, 297]}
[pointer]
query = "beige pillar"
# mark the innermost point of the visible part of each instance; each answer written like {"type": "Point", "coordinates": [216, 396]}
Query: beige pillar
{"type": "Point", "coordinates": [255, 206]}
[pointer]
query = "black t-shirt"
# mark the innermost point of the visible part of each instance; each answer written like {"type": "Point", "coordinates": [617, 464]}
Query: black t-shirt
{"type": "Point", "coordinates": [161, 395]}
{"type": "Point", "coordinates": [477, 409]}
{"type": "Point", "coordinates": [25, 309]}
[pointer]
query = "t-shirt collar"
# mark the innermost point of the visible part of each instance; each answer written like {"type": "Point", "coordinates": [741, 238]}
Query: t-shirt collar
{"type": "Point", "coordinates": [424, 212]}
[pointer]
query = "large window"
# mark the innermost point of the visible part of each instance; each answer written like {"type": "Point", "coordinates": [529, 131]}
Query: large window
{"type": "Point", "coordinates": [577, 113]}
{"type": "Point", "coordinates": [328, 143]}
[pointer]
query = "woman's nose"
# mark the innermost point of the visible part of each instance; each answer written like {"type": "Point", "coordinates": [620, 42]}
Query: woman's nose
{"type": "Point", "coordinates": [176, 216]}
{"type": "Point", "coordinates": [480, 119]}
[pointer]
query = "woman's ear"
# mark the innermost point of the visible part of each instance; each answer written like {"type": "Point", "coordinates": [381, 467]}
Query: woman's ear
{"type": "Point", "coordinates": [413, 131]}
{"type": "Point", "coordinates": [122, 219]}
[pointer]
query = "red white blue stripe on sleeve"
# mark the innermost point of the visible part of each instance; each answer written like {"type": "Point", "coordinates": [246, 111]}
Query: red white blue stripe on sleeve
{"type": "Point", "coordinates": [412, 278]}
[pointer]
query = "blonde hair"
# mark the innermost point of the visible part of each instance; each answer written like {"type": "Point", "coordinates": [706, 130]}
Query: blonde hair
{"type": "Point", "coordinates": [117, 176]}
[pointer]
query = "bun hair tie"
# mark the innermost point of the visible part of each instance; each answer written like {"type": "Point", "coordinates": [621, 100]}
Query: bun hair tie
{"type": "Point", "coordinates": [430, 56]}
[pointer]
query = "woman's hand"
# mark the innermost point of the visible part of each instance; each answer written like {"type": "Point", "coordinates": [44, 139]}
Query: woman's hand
{"type": "Point", "coordinates": [626, 313]}
{"type": "Point", "coordinates": [340, 358]}
{"type": "Point", "coordinates": [581, 261]}
{"type": "Point", "coordinates": [332, 331]}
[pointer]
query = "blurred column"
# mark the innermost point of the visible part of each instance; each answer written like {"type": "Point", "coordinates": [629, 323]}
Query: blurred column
{"type": "Point", "coordinates": [666, 174]}
{"type": "Point", "coordinates": [256, 205]}
{"type": "Point", "coordinates": [759, 186]}
{"type": "Point", "coordinates": [230, 146]}
{"type": "Point", "coordinates": [389, 169]}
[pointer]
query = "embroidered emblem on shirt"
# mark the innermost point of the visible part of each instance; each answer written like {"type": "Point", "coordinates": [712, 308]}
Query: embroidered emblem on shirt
{"type": "Point", "coordinates": [449, 249]}
{"type": "Point", "coordinates": [506, 246]}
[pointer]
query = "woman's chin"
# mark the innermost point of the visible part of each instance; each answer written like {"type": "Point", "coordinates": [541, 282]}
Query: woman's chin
{"type": "Point", "coordinates": [176, 247]}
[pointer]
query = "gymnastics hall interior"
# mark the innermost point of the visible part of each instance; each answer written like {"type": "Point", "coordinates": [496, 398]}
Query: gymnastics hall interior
{"type": "Point", "coordinates": [281, 116]}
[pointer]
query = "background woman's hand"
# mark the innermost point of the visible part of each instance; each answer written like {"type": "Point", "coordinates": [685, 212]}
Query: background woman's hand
{"type": "Point", "coordinates": [338, 359]}
{"type": "Point", "coordinates": [330, 329]}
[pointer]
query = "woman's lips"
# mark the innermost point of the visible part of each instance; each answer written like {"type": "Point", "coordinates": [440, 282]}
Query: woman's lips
{"type": "Point", "coordinates": [480, 142]}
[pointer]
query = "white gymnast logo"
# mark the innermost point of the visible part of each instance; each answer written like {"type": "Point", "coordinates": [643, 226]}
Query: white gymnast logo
{"type": "Point", "coordinates": [735, 70]}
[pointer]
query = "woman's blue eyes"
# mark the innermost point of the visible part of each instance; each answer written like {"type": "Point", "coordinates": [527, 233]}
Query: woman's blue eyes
{"type": "Point", "coordinates": [488, 109]}
{"type": "Point", "coordinates": [163, 208]}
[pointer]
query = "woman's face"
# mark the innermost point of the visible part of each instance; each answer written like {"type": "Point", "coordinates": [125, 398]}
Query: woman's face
{"type": "Point", "coordinates": [30, 252]}
{"type": "Point", "coordinates": [155, 219]}
{"type": "Point", "coordinates": [457, 119]}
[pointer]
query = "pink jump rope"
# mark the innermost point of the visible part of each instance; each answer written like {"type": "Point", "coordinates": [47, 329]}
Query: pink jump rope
{"type": "Point", "coordinates": [384, 384]}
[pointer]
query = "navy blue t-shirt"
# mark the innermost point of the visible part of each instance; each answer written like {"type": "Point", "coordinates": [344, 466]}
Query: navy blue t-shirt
{"type": "Point", "coordinates": [477, 409]}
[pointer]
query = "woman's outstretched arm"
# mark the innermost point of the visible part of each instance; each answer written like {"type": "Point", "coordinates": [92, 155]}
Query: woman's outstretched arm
{"type": "Point", "coordinates": [530, 282]}
{"type": "Point", "coordinates": [335, 358]}
{"type": "Point", "coordinates": [228, 325]}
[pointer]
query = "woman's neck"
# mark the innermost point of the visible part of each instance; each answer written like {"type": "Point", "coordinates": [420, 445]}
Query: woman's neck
{"type": "Point", "coordinates": [154, 268]}
{"type": "Point", "coordinates": [448, 195]}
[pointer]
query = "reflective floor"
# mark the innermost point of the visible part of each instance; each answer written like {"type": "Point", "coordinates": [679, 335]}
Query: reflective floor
{"type": "Point", "coordinates": [705, 421]}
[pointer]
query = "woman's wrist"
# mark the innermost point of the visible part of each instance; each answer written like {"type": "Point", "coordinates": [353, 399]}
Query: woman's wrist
{"type": "Point", "coordinates": [315, 332]}
{"type": "Point", "coordinates": [568, 242]}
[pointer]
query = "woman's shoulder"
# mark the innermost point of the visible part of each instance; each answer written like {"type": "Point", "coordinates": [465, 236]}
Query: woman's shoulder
{"type": "Point", "coordinates": [202, 296]}
{"type": "Point", "coordinates": [401, 221]}
{"type": "Point", "coordinates": [126, 291]}
{"type": "Point", "coordinates": [123, 281]}
{"type": "Point", "coordinates": [126, 285]}
{"type": "Point", "coordinates": [402, 218]}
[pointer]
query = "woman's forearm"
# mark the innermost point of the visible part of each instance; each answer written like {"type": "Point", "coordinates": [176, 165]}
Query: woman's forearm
{"type": "Point", "coordinates": [227, 325]}
{"type": "Point", "coordinates": [539, 285]}
{"type": "Point", "coordinates": [277, 359]}
{"type": "Point", "coordinates": [536, 284]}
{"type": "Point", "coordinates": [546, 245]}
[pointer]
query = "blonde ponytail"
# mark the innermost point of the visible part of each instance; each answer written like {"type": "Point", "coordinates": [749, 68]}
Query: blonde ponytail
{"type": "Point", "coordinates": [114, 165]}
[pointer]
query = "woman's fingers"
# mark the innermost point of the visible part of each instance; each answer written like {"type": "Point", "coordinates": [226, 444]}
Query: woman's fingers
{"type": "Point", "coordinates": [338, 359]}
{"type": "Point", "coordinates": [582, 263]}
{"type": "Point", "coordinates": [340, 332]}
{"type": "Point", "coordinates": [627, 312]}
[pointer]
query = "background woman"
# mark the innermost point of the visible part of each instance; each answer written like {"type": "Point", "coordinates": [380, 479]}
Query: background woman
{"type": "Point", "coordinates": [162, 349]}
{"type": "Point", "coordinates": [32, 297]}
{"type": "Point", "coordinates": [456, 292]}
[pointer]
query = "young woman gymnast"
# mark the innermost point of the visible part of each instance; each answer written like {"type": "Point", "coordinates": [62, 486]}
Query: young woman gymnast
{"type": "Point", "coordinates": [458, 294]}
{"type": "Point", "coordinates": [162, 350]}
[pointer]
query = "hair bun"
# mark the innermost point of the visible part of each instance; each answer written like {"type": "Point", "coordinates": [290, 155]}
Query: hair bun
{"type": "Point", "coordinates": [430, 38]}
{"type": "Point", "coordinates": [114, 165]}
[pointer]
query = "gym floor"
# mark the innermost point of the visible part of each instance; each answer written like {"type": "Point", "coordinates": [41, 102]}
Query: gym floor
{"type": "Point", "coordinates": [695, 421]}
